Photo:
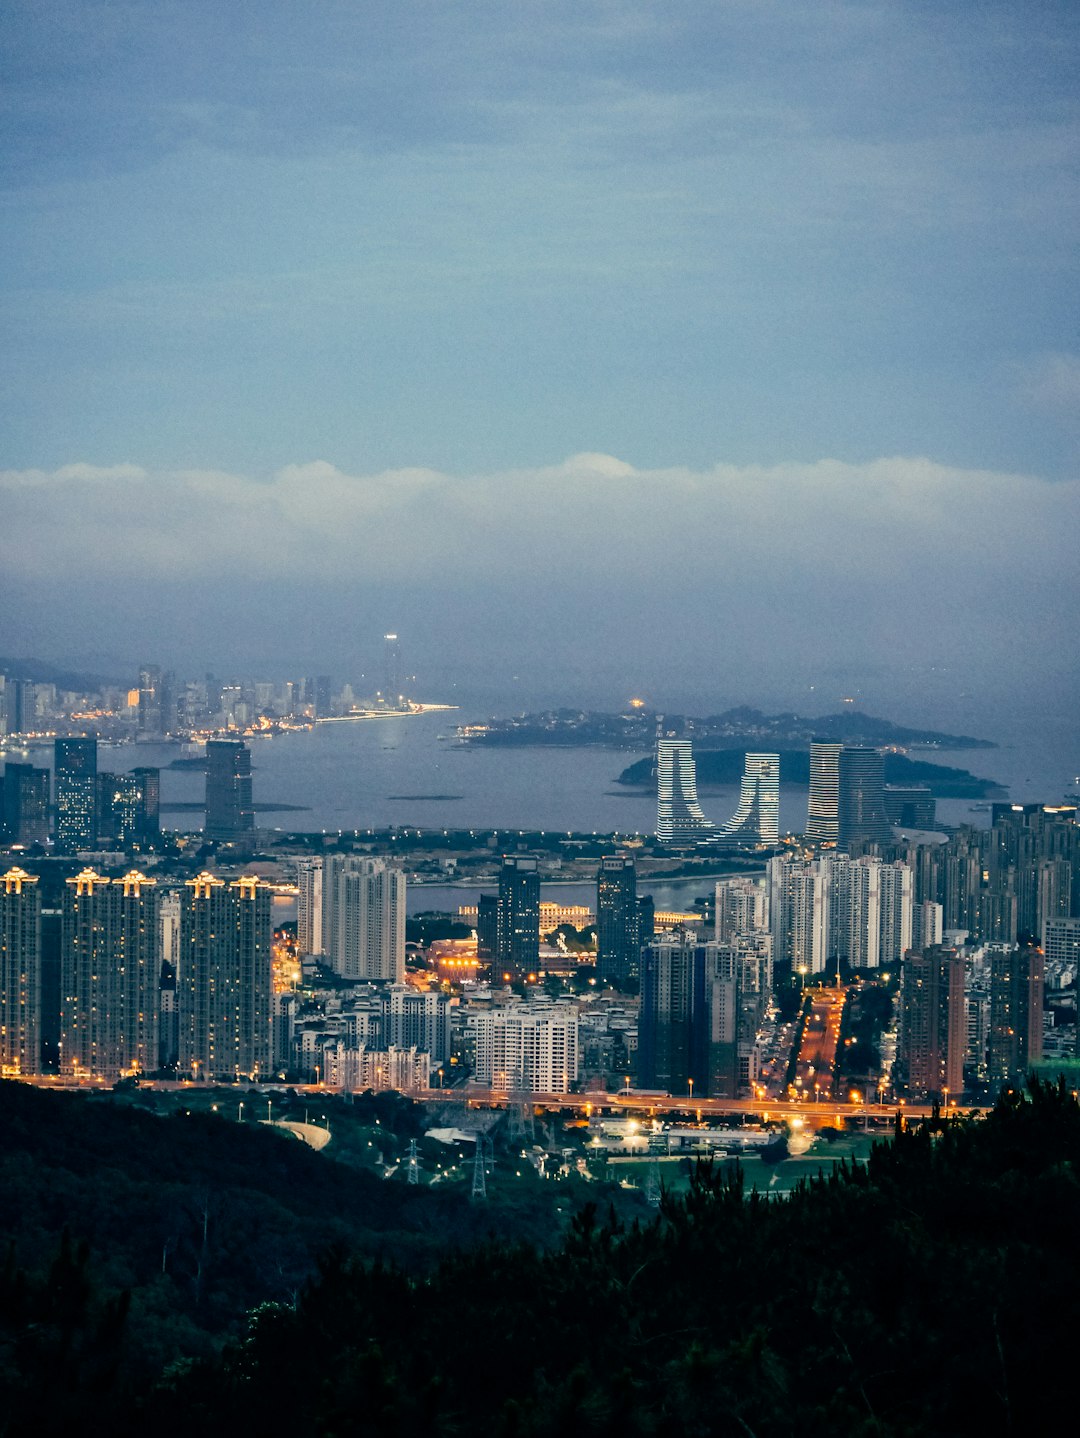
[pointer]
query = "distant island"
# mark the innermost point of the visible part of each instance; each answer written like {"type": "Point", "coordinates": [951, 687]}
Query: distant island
{"type": "Point", "coordinates": [636, 729]}
{"type": "Point", "coordinates": [716, 767]}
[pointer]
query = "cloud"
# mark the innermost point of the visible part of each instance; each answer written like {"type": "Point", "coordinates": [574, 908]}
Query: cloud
{"type": "Point", "coordinates": [828, 524]}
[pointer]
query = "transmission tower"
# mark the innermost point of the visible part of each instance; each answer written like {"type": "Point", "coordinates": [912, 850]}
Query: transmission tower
{"type": "Point", "coordinates": [652, 1186]}
{"type": "Point", "coordinates": [414, 1163]}
{"type": "Point", "coordinates": [479, 1181]}
{"type": "Point", "coordinates": [521, 1116]}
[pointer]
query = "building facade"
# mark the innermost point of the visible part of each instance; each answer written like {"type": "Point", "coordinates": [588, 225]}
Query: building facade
{"type": "Point", "coordinates": [20, 974]}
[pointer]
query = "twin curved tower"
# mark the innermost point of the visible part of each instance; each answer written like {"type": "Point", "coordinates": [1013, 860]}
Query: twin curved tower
{"type": "Point", "coordinates": [680, 818]}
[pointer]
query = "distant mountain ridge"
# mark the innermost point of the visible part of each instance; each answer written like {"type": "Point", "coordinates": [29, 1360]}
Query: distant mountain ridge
{"type": "Point", "coordinates": [39, 672]}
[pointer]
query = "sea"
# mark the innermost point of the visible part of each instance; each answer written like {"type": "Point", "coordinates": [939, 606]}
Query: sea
{"type": "Point", "coordinates": [410, 771]}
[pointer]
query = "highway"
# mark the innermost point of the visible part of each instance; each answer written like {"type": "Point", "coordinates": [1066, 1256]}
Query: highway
{"type": "Point", "coordinates": [815, 1062]}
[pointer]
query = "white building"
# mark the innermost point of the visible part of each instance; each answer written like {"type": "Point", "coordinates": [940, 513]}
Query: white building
{"type": "Point", "coordinates": [359, 1069]}
{"type": "Point", "coordinates": [530, 1048]}
{"type": "Point", "coordinates": [309, 907]}
{"type": "Point", "coordinates": [742, 907]}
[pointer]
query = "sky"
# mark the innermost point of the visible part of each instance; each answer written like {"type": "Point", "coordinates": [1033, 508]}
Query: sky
{"type": "Point", "coordinates": [602, 344]}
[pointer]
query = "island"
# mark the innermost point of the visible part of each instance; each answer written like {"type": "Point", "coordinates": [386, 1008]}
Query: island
{"type": "Point", "coordinates": [636, 729]}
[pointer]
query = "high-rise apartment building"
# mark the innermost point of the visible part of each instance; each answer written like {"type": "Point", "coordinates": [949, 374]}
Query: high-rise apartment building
{"type": "Point", "coordinates": [679, 817]}
{"type": "Point", "coordinates": [363, 921]}
{"type": "Point", "coordinates": [1017, 979]}
{"type": "Point", "coordinates": [518, 945]}
{"type": "Point", "coordinates": [309, 906]}
{"type": "Point", "coordinates": [932, 1035]}
{"type": "Point", "coordinates": [798, 917]}
{"type": "Point", "coordinates": [823, 809]}
{"type": "Point", "coordinates": [20, 974]}
{"type": "Point", "coordinates": [229, 811]}
{"type": "Point", "coordinates": [224, 983]}
{"type": "Point", "coordinates": [700, 1007]}
{"type": "Point", "coordinates": [526, 1048]}
{"type": "Point", "coordinates": [861, 797]}
{"type": "Point", "coordinates": [146, 830]}
{"type": "Point", "coordinates": [757, 819]}
{"type": "Point", "coordinates": [741, 907]}
{"type": "Point", "coordinates": [75, 775]}
{"type": "Point", "coordinates": [618, 922]}
{"type": "Point", "coordinates": [411, 1019]}
{"type": "Point", "coordinates": [109, 976]}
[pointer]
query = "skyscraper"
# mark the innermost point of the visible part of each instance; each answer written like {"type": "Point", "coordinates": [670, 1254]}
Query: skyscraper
{"type": "Point", "coordinates": [224, 984]}
{"type": "Point", "coordinates": [689, 1025]}
{"type": "Point", "coordinates": [363, 923]}
{"type": "Point", "coordinates": [392, 676]}
{"type": "Point", "coordinates": [147, 819]}
{"type": "Point", "coordinates": [757, 818]}
{"type": "Point", "coordinates": [933, 1023]}
{"type": "Point", "coordinates": [618, 943]}
{"type": "Point", "coordinates": [798, 917]}
{"type": "Point", "coordinates": [75, 772]}
{"type": "Point", "coordinates": [24, 812]}
{"type": "Point", "coordinates": [309, 906]}
{"type": "Point", "coordinates": [861, 807]}
{"type": "Point", "coordinates": [20, 975]}
{"type": "Point", "coordinates": [741, 907]}
{"type": "Point", "coordinates": [679, 817]}
{"type": "Point", "coordinates": [229, 811]}
{"type": "Point", "coordinates": [1017, 979]}
{"type": "Point", "coordinates": [823, 810]}
{"type": "Point", "coordinates": [518, 948]}
{"type": "Point", "coordinates": [151, 716]}
{"type": "Point", "coordinates": [110, 967]}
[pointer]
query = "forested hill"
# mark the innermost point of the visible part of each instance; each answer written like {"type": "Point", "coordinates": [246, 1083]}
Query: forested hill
{"type": "Point", "coordinates": [935, 1291]}
{"type": "Point", "coordinates": [725, 766]}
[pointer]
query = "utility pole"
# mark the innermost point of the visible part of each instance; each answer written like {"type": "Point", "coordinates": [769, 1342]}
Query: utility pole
{"type": "Point", "coordinates": [414, 1162]}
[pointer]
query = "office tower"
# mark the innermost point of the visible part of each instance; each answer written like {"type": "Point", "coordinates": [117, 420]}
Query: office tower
{"type": "Point", "coordinates": [147, 818]}
{"type": "Point", "coordinates": [910, 806]}
{"type": "Point", "coordinates": [518, 947]}
{"type": "Point", "coordinates": [679, 816]}
{"type": "Point", "coordinates": [118, 806]}
{"type": "Point", "coordinates": [309, 906]}
{"type": "Point", "coordinates": [110, 969]}
{"type": "Point", "coordinates": [151, 710]}
{"type": "Point", "coordinates": [1017, 977]}
{"type": "Point", "coordinates": [392, 676]}
{"type": "Point", "coordinates": [75, 773]}
{"type": "Point", "coordinates": [20, 975]}
{"type": "Point", "coordinates": [693, 997]}
{"type": "Point", "coordinates": [526, 1049]}
{"type": "Point", "coordinates": [798, 917]}
{"type": "Point", "coordinates": [741, 907]}
{"type": "Point", "coordinates": [229, 812]}
{"type": "Point", "coordinates": [322, 696]}
{"type": "Point", "coordinates": [757, 818]}
{"type": "Point", "coordinates": [21, 706]}
{"type": "Point", "coordinates": [861, 799]}
{"type": "Point", "coordinates": [823, 808]}
{"type": "Point", "coordinates": [24, 815]}
{"type": "Point", "coordinates": [412, 1019]}
{"type": "Point", "coordinates": [933, 1024]}
{"type": "Point", "coordinates": [618, 944]}
{"type": "Point", "coordinates": [363, 926]}
{"type": "Point", "coordinates": [926, 925]}
{"type": "Point", "coordinates": [224, 984]}
{"type": "Point", "coordinates": [487, 930]}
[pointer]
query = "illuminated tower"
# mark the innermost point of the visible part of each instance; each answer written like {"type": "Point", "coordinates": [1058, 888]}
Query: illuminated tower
{"type": "Point", "coordinates": [20, 974]}
{"type": "Point", "coordinates": [224, 982]}
{"type": "Point", "coordinates": [517, 950]}
{"type": "Point", "coordinates": [823, 810]}
{"type": "Point", "coordinates": [75, 770]}
{"type": "Point", "coordinates": [109, 965]}
{"type": "Point", "coordinates": [229, 811]}
{"type": "Point", "coordinates": [757, 819]}
{"type": "Point", "coordinates": [679, 816]}
{"type": "Point", "coordinates": [392, 677]}
{"type": "Point", "coordinates": [618, 926]}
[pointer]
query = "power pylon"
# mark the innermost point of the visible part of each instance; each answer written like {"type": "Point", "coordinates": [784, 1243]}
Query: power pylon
{"type": "Point", "coordinates": [479, 1181]}
{"type": "Point", "coordinates": [414, 1162]}
{"type": "Point", "coordinates": [652, 1186]}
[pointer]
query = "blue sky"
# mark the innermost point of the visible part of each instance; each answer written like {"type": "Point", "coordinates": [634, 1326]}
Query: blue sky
{"type": "Point", "coordinates": [477, 239]}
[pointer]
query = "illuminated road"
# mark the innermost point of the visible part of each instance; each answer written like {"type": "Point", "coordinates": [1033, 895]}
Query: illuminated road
{"type": "Point", "coordinates": [816, 1059]}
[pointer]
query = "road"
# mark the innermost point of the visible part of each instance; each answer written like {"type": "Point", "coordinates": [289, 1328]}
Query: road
{"type": "Point", "coordinates": [815, 1062]}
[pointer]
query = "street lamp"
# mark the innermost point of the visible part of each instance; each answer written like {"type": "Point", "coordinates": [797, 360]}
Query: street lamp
{"type": "Point", "coordinates": [240, 1112]}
